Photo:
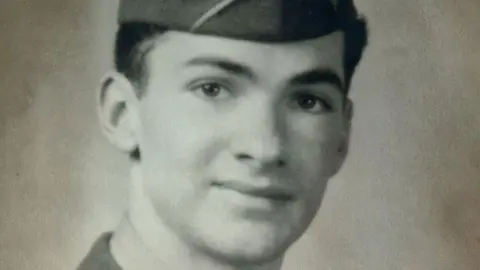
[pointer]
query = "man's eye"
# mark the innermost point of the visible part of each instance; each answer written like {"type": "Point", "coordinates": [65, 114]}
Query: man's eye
{"type": "Point", "coordinates": [212, 90]}
{"type": "Point", "coordinates": [311, 103]}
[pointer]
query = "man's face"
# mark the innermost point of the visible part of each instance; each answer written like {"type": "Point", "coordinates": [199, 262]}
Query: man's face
{"type": "Point", "coordinates": [239, 139]}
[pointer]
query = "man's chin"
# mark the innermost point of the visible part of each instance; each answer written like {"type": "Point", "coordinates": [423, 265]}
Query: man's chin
{"type": "Point", "coordinates": [245, 248]}
{"type": "Point", "coordinates": [236, 239]}
{"type": "Point", "coordinates": [254, 255]}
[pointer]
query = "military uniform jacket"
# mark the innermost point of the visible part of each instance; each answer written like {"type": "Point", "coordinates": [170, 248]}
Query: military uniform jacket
{"type": "Point", "coordinates": [100, 256]}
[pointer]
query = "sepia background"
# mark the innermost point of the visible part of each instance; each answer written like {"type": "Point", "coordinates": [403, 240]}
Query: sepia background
{"type": "Point", "coordinates": [408, 197]}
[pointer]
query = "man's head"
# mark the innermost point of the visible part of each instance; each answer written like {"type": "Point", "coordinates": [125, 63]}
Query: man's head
{"type": "Point", "coordinates": [237, 138]}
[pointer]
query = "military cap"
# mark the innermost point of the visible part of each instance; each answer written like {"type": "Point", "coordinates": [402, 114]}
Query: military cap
{"type": "Point", "coordinates": [256, 20]}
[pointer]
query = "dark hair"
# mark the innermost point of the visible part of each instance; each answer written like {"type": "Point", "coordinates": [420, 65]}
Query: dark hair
{"type": "Point", "coordinates": [356, 39]}
{"type": "Point", "coordinates": [130, 52]}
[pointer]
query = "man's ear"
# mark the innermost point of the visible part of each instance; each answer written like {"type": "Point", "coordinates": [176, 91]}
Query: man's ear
{"type": "Point", "coordinates": [346, 128]}
{"type": "Point", "coordinates": [117, 107]}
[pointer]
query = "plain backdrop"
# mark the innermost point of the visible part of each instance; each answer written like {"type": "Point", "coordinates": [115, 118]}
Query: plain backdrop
{"type": "Point", "coordinates": [408, 197]}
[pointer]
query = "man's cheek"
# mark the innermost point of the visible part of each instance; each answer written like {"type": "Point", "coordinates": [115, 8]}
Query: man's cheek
{"type": "Point", "coordinates": [314, 165]}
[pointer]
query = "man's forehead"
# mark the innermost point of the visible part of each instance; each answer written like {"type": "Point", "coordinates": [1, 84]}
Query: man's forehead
{"type": "Point", "coordinates": [179, 51]}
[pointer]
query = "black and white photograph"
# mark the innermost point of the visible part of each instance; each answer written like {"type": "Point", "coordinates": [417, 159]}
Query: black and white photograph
{"type": "Point", "coordinates": [239, 135]}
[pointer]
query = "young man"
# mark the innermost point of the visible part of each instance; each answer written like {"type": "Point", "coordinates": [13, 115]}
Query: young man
{"type": "Point", "coordinates": [236, 115]}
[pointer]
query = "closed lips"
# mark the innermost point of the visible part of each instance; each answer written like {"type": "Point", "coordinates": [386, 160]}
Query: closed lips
{"type": "Point", "coordinates": [269, 192]}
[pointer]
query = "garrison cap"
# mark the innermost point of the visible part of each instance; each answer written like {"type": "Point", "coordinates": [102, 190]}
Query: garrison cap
{"type": "Point", "coordinates": [255, 20]}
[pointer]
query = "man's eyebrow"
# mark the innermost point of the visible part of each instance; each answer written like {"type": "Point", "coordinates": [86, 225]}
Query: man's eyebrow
{"type": "Point", "coordinates": [318, 76]}
{"type": "Point", "coordinates": [225, 64]}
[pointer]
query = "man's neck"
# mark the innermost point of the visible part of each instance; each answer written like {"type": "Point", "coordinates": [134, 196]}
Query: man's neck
{"type": "Point", "coordinates": [142, 241]}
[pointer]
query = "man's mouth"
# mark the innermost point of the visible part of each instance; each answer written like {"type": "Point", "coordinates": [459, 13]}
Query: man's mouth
{"type": "Point", "coordinates": [270, 192]}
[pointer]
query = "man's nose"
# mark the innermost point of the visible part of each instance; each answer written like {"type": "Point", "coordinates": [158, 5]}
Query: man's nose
{"type": "Point", "coordinates": [259, 142]}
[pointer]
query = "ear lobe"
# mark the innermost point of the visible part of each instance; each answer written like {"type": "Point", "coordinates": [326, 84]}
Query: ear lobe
{"type": "Point", "coordinates": [117, 111]}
